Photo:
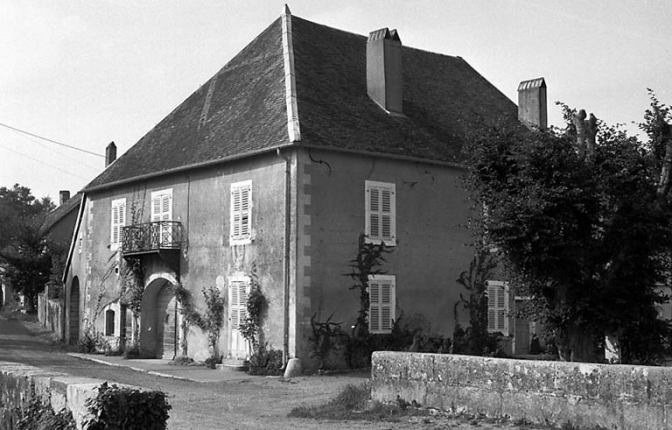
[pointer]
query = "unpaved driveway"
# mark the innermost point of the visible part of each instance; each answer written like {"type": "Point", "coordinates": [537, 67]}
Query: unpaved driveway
{"type": "Point", "coordinates": [246, 403]}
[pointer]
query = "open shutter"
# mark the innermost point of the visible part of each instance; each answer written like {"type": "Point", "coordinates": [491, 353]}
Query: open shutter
{"type": "Point", "coordinates": [238, 301]}
{"type": "Point", "coordinates": [118, 220]}
{"type": "Point", "coordinates": [492, 308]}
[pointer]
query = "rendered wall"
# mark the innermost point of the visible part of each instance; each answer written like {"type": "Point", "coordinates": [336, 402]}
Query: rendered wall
{"type": "Point", "coordinates": [432, 214]}
{"type": "Point", "coordinates": [50, 314]}
{"type": "Point", "coordinates": [201, 202]}
{"type": "Point", "coordinates": [613, 396]}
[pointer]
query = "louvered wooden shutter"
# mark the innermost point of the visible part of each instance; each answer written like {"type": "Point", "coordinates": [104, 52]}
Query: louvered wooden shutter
{"type": "Point", "coordinates": [380, 212]}
{"type": "Point", "coordinates": [118, 220]}
{"type": "Point", "coordinates": [114, 239]}
{"type": "Point", "coordinates": [498, 307]}
{"type": "Point", "coordinates": [238, 303]}
{"type": "Point", "coordinates": [241, 204]}
{"type": "Point", "coordinates": [382, 304]}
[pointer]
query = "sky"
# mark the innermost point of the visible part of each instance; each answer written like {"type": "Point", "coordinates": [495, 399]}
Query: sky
{"type": "Point", "coordinates": [83, 73]}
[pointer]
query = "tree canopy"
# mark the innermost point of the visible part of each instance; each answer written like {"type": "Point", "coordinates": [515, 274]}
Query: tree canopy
{"type": "Point", "coordinates": [25, 253]}
{"type": "Point", "coordinates": [582, 218]}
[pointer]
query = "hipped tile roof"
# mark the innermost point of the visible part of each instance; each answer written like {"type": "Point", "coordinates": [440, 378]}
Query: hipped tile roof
{"type": "Point", "coordinates": [242, 109]}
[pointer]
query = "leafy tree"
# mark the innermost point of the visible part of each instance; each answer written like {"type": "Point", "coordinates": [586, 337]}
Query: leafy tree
{"type": "Point", "coordinates": [582, 218]}
{"type": "Point", "coordinates": [25, 252]}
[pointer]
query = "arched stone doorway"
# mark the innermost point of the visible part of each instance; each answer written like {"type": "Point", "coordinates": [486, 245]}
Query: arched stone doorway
{"type": "Point", "coordinates": [73, 319]}
{"type": "Point", "coordinates": [158, 325]}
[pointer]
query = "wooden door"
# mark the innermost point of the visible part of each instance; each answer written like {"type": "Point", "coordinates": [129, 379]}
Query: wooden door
{"type": "Point", "coordinates": [167, 324]}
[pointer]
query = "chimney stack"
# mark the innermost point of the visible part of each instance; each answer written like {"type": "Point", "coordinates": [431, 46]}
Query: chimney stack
{"type": "Point", "coordinates": [63, 195]}
{"type": "Point", "coordinates": [384, 69]}
{"type": "Point", "coordinates": [110, 153]}
{"type": "Point", "coordinates": [532, 103]}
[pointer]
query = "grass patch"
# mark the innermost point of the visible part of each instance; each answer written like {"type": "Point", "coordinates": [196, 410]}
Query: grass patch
{"type": "Point", "coordinates": [354, 403]}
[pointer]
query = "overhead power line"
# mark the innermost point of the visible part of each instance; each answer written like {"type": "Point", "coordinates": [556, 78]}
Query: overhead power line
{"type": "Point", "coordinates": [52, 141]}
{"type": "Point", "coordinates": [42, 162]}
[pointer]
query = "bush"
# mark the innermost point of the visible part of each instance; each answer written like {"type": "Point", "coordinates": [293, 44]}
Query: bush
{"type": "Point", "coordinates": [92, 342]}
{"type": "Point", "coordinates": [265, 361]}
{"type": "Point", "coordinates": [39, 416]}
{"type": "Point", "coordinates": [127, 408]}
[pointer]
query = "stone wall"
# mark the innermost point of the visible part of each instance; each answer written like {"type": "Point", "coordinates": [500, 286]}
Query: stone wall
{"type": "Point", "coordinates": [50, 313]}
{"type": "Point", "coordinates": [612, 396]}
{"type": "Point", "coordinates": [18, 382]}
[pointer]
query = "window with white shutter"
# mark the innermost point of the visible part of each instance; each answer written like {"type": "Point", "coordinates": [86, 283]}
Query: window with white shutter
{"type": "Point", "coordinates": [380, 213]}
{"type": "Point", "coordinates": [118, 220]}
{"type": "Point", "coordinates": [382, 298]}
{"type": "Point", "coordinates": [238, 290]}
{"type": "Point", "coordinates": [498, 307]}
{"type": "Point", "coordinates": [241, 213]}
{"type": "Point", "coordinates": [162, 210]}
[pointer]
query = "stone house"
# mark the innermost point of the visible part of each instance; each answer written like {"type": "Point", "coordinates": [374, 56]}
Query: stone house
{"type": "Point", "coordinates": [271, 171]}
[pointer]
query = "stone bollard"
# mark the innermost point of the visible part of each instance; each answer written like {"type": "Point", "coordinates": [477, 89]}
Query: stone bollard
{"type": "Point", "coordinates": [293, 368]}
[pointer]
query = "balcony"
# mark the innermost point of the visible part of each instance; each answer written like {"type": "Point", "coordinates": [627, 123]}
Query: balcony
{"type": "Point", "coordinates": [151, 238]}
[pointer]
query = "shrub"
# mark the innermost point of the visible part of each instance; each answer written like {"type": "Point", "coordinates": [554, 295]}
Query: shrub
{"type": "Point", "coordinates": [40, 416]}
{"type": "Point", "coordinates": [127, 408]}
{"type": "Point", "coordinates": [265, 361]}
{"type": "Point", "coordinates": [92, 342]}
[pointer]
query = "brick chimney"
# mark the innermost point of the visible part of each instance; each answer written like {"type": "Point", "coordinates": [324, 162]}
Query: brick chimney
{"type": "Point", "coordinates": [532, 103]}
{"type": "Point", "coordinates": [110, 153]}
{"type": "Point", "coordinates": [383, 69]}
{"type": "Point", "coordinates": [63, 196]}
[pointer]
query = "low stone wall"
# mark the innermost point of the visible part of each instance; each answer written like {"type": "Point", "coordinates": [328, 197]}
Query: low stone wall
{"type": "Point", "coordinates": [613, 396]}
{"type": "Point", "coordinates": [50, 314]}
{"type": "Point", "coordinates": [18, 382]}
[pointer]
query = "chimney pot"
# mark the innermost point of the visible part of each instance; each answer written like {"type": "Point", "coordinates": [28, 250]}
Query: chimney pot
{"type": "Point", "coordinates": [532, 103]}
{"type": "Point", "coordinates": [110, 153]}
{"type": "Point", "coordinates": [384, 69]}
{"type": "Point", "coordinates": [63, 196]}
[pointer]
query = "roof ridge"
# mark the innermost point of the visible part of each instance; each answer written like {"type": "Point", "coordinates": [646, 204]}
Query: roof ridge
{"type": "Point", "coordinates": [293, 127]}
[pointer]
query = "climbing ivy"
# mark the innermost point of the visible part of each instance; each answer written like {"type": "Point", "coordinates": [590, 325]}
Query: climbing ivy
{"type": "Point", "coordinates": [250, 328]}
{"type": "Point", "coordinates": [369, 259]}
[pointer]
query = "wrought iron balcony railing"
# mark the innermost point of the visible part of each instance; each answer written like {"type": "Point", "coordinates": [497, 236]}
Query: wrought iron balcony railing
{"type": "Point", "coordinates": [151, 236]}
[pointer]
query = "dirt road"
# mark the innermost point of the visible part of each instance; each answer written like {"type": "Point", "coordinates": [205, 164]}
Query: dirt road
{"type": "Point", "coordinates": [242, 403]}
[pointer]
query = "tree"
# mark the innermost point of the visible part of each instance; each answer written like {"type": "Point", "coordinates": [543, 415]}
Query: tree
{"type": "Point", "coordinates": [583, 220]}
{"type": "Point", "coordinates": [25, 253]}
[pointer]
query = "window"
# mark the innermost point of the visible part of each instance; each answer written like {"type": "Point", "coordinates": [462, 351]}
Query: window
{"type": "Point", "coordinates": [498, 307]}
{"type": "Point", "coordinates": [118, 220]}
{"type": "Point", "coordinates": [382, 303]}
{"type": "Point", "coordinates": [380, 213]}
{"type": "Point", "coordinates": [162, 210]}
{"type": "Point", "coordinates": [241, 213]}
{"type": "Point", "coordinates": [162, 205]}
{"type": "Point", "coordinates": [109, 322]}
{"type": "Point", "coordinates": [238, 289]}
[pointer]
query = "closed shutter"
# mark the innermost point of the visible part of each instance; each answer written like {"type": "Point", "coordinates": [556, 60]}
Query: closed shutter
{"type": "Point", "coordinates": [380, 212]}
{"type": "Point", "coordinates": [241, 205]}
{"type": "Point", "coordinates": [498, 307]}
{"type": "Point", "coordinates": [162, 206]}
{"type": "Point", "coordinates": [382, 303]}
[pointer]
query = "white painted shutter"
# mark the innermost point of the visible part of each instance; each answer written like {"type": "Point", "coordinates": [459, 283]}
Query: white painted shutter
{"type": "Point", "coordinates": [114, 239]}
{"type": "Point", "coordinates": [380, 212]}
{"type": "Point", "coordinates": [241, 204]}
{"type": "Point", "coordinates": [382, 304]}
{"type": "Point", "coordinates": [118, 220]}
{"type": "Point", "coordinates": [238, 300]}
{"type": "Point", "coordinates": [498, 306]}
